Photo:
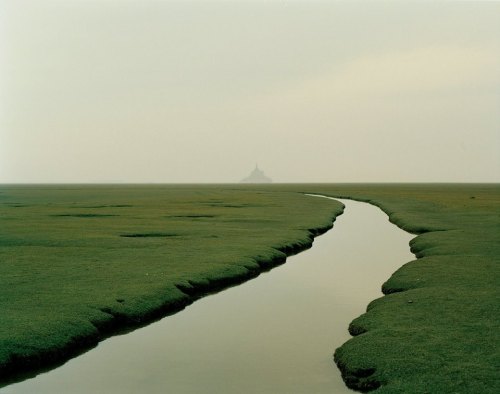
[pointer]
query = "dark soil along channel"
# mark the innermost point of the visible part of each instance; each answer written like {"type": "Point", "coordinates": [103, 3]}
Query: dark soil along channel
{"type": "Point", "coordinates": [273, 334]}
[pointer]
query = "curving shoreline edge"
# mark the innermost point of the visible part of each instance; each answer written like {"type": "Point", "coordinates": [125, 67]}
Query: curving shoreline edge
{"type": "Point", "coordinates": [435, 328]}
{"type": "Point", "coordinates": [19, 368]}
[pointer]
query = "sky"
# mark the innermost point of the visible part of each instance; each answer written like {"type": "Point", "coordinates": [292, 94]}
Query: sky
{"type": "Point", "coordinates": [202, 91]}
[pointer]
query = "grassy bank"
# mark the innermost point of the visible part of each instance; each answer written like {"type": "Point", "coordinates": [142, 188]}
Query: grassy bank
{"type": "Point", "coordinates": [79, 263]}
{"type": "Point", "coordinates": [436, 330]}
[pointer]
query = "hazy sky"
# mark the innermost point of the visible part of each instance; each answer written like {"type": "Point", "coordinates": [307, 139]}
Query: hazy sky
{"type": "Point", "coordinates": [199, 91]}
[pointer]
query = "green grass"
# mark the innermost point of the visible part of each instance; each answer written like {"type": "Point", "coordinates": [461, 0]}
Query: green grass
{"type": "Point", "coordinates": [437, 328]}
{"type": "Point", "coordinates": [78, 263]}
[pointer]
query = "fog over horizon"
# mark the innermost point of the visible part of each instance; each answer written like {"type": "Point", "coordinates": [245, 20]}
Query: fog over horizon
{"type": "Point", "coordinates": [200, 91]}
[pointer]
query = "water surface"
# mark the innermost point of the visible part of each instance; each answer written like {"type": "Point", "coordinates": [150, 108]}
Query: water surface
{"type": "Point", "coordinates": [273, 334]}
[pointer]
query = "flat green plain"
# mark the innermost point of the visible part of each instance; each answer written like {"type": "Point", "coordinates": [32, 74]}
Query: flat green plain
{"type": "Point", "coordinates": [79, 263]}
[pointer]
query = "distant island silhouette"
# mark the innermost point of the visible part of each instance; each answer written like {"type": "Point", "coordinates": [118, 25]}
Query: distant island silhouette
{"type": "Point", "coordinates": [257, 176]}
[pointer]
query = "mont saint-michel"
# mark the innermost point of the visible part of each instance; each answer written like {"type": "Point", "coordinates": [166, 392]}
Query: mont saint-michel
{"type": "Point", "coordinates": [257, 176]}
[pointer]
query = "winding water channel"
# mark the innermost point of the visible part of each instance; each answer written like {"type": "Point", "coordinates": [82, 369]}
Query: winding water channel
{"type": "Point", "coordinates": [273, 334]}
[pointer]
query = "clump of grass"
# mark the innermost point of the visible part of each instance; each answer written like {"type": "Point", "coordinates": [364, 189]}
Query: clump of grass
{"type": "Point", "coordinates": [83, 215]}
{"type": "Point", "coordinates": [15, 205]}
{"type": "Point", "coordinates": [195, 216]}
{"type": "Point", "coordinates": [106, 206]}
{"type": "Point", "coordinates": [149, 235]}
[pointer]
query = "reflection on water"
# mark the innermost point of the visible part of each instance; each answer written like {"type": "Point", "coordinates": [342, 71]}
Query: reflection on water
{"type": "Point", "coordinates": [274, 334]}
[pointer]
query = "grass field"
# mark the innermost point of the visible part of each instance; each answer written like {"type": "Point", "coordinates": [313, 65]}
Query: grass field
{"type": "Point", "coordinates": [79, 263]}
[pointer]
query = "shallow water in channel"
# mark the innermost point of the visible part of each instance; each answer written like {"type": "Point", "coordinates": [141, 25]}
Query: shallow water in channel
{"type": "Point", "coordinates": [273, 334]}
